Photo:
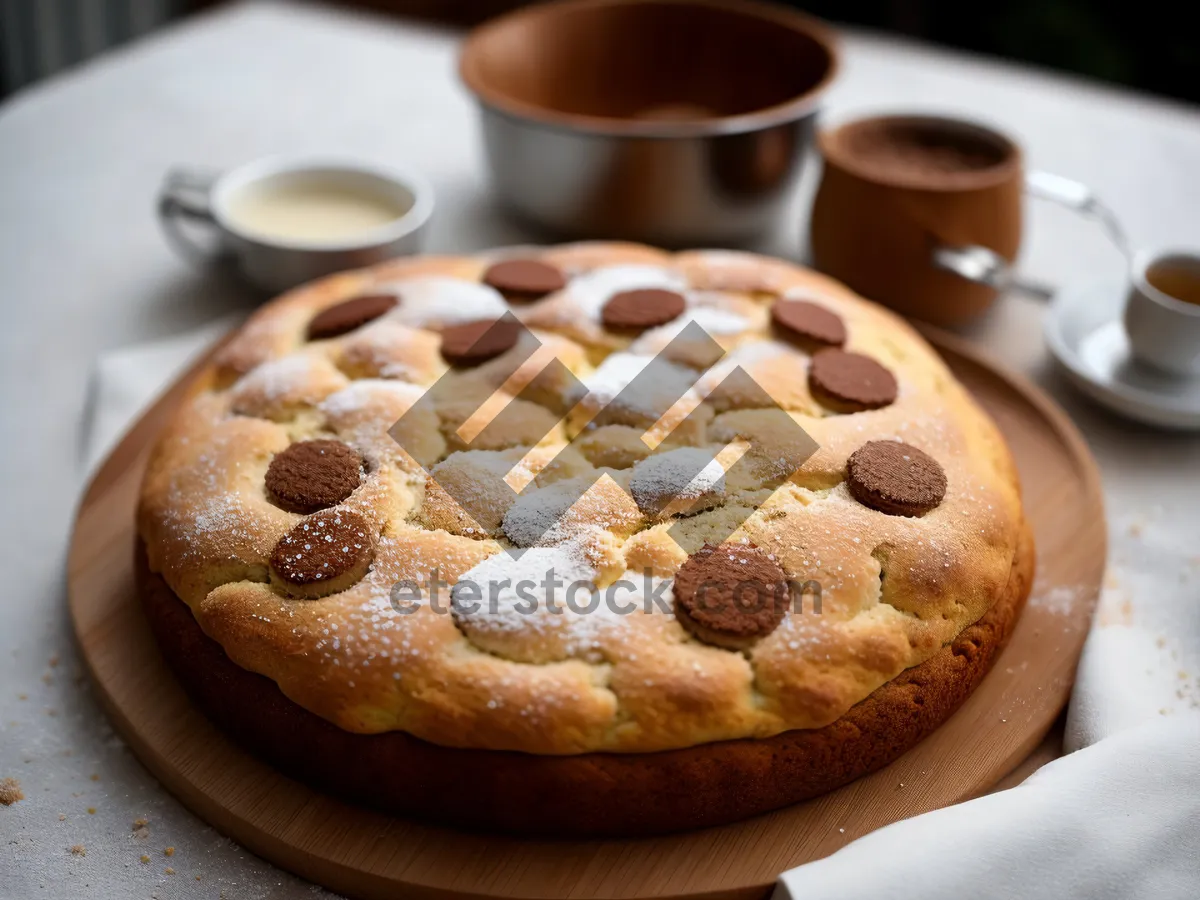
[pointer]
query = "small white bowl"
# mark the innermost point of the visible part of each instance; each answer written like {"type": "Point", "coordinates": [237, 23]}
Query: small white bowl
{"type": "Point", "coordinates": [276, 263]}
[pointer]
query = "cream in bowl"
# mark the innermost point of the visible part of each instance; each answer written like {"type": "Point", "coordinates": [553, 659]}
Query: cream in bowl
{"type": "Point", "coordinates": [314, 207]}
{"type": "Point", "coordinates": [284, 221]}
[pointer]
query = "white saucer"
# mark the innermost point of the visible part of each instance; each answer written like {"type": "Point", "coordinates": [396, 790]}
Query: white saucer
{"type": "Point", "coordinates": [1085, 334]}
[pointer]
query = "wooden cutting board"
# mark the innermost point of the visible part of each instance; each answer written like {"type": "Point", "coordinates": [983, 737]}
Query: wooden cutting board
{"type": "Point", "coordinates": [366, 854]}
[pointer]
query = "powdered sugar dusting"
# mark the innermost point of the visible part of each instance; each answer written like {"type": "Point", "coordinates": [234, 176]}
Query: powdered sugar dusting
{"type": "Point", "coordinates": [277, 378]}
{"type": "Point", "coordinates": [1060, 600]}
{"type": "Point", "coordinates": [536, 517]}
{"type": "Point", "coordinates": [589, 292]}
{"type": "Point", "coordinates": [745, 356]}
{"type": "Point", "coordinates": [540, 606]}
{"type": "Point", "coordinates": [673, 476]}
{"type": "Point", "coordinates": [710, 478]}
{"type": "Point", "coordinates": [613, 376]}
{"type": "Point", "coordinates": [714, 322]}
{"type": "Point", "coordinates": [392, 350]}
{"type": "Point", "coordinates": [522, 586]}
{"type": "Point", "coordinates": [435, 302]}
{"type": "Point", "coordinates": [618, 371]}
{"type": "Point", "coordinates": [367, 392]}
{"type": "Point", "coordinates": [757, 351]}
{"type": "Point", "coordinates": [221, 526]}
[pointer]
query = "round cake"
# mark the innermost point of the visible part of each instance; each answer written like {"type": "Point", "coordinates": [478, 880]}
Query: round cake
{"type": "Point", "coordinates": [591, 539]}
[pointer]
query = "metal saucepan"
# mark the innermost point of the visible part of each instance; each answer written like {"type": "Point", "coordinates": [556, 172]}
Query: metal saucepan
{"type": "Point", "coordinates": [676, 122]}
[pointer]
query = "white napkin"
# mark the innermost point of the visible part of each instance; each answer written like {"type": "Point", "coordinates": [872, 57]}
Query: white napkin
{"type": "Point", "coordinates": [125, 381]}
{"type": "Point", "coordinates": [1117, 818]}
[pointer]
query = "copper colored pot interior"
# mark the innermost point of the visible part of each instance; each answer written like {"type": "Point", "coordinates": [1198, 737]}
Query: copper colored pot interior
{"type": "Point", "coordinates": [646, 60]}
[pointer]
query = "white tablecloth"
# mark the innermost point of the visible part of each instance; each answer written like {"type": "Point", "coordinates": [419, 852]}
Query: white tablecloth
{"type": "Point", "coordinates": [83, 270]}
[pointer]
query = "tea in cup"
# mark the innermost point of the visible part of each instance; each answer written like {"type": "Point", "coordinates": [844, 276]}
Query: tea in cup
{"type": "Point", "coordinates": [1162, 310]}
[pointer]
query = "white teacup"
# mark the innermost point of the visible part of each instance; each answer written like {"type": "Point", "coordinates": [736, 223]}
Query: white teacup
{"type": "Point", "coordinates": [1163, 329]}
{"type": "Point", "coordinates": [282, 221]}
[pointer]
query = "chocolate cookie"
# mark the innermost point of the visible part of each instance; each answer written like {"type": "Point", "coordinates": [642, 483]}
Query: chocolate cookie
{"type": "Point", "coordinates": [730, 595]}
{"type": "Point", "coordinates": [325, 553]}
{"type": "Point", "coordinates": [895, 478]}
{"type": "Point", "coordinates": [313, 475]}
{"type": "Point", "coordinates": [524, 280]}
{"type": "Point", "coordinates": [808, 324]}
{"type": "Point", "coordinates": [641, 309]}
{"type": "Point", "coordinates": [349, 315]}
{"type": "Point", "coordinates": [473, 343]}
{"type": "Point", "coordinates": [850, 382]}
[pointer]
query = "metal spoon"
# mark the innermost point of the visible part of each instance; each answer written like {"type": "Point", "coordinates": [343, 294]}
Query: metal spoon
{"type": "Point", "coordinates": [986, 266]}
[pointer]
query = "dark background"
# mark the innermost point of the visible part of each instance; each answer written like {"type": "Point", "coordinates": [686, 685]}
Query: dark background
{"type": "Point", "coordinates": [1150, 45]}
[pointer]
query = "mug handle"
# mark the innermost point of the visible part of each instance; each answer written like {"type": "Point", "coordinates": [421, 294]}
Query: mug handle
{"type": "Point", "coordinates": [186, 195]}
{"type": "Point", "coordinates": [1078, 197]}
{"type": "Point", "coordinates": [985, 266]}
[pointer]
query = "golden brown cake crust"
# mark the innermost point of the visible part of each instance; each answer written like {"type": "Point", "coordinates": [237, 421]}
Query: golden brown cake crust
{"type": "Point", "coordinates": [595, 794]}
{"type": "Point", "coordinates": [896, 590]}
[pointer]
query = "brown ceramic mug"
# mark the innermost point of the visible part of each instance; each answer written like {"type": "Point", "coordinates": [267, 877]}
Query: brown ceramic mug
{"type": "Point", "coordinates": [921, 213]}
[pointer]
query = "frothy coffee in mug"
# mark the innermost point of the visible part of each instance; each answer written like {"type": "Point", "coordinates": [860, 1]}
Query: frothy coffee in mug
{"type": "Point", "coordinates": [923, 151]}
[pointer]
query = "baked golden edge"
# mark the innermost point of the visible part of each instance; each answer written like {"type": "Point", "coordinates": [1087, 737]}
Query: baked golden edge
{"type": "Point", "coordinates": [591, 794]}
